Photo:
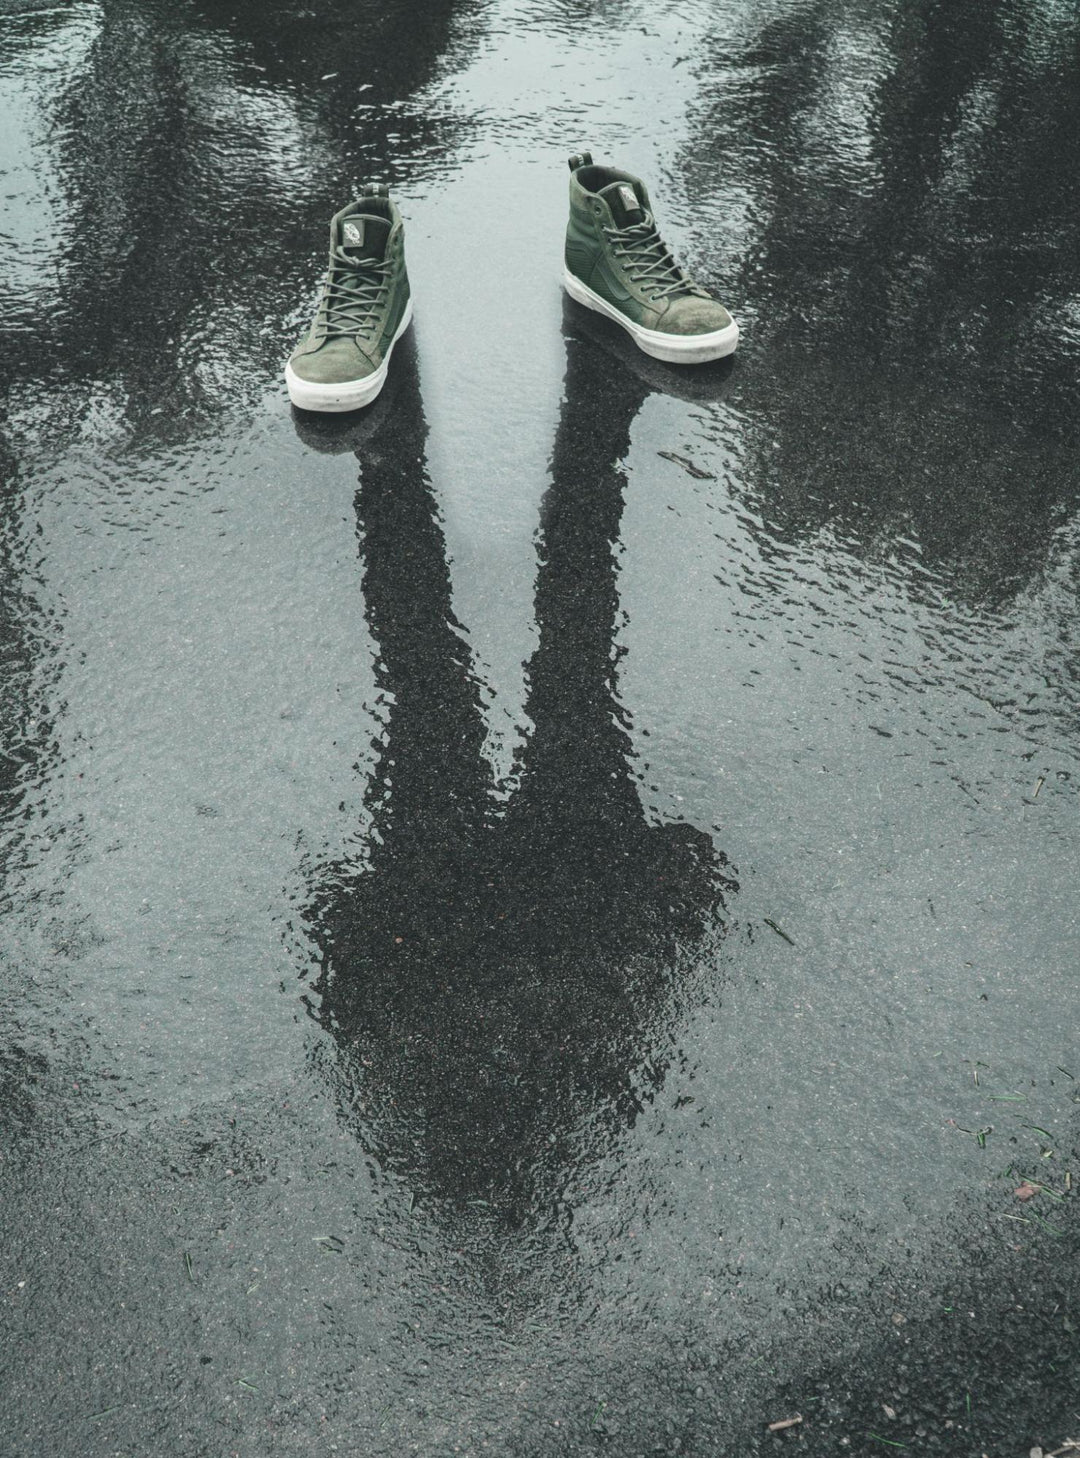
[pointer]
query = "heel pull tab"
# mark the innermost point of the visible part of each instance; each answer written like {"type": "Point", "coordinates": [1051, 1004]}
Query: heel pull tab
{"type": "Point", "coordinates": [579, 159]}
{"type": "Point", "coordinates": [376, 189]}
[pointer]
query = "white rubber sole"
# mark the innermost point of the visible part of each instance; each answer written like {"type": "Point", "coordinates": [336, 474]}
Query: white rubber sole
{"type": "Point", "coordinates": [352, 394]}
{"type": "Point", "coordinates": [673, 348]}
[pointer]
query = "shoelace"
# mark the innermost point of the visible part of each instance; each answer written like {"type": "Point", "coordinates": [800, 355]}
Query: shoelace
{"type": "Point", "coordinates": [649, 260]}
{"type": "Point", "coordinates": [351, 296]}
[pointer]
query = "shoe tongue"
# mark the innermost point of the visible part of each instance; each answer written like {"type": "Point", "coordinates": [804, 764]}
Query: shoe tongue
{"type": "Point", "coordinates": [364, 236]}
{"type": "Point", "coordinates": [624, 203]}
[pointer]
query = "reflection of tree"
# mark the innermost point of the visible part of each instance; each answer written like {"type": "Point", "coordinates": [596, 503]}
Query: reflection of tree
{"type": "Point", "coordinates": [497, 977]}
{"type": "Point", "coordinates": [910, 170]}
{"type": "Point", "coordinates": [203, 150]}
{"type": "Point", "coordinates": [324, 55]}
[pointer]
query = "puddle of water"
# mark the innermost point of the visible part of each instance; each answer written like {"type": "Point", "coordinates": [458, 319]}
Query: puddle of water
{"type": "Point", "coordinates": [527, 669]}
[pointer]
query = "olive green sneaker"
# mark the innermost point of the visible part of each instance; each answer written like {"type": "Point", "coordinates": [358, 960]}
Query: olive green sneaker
{"type": "Point", "coordinates": [364, 309]}
{"type": "Point", "coordinates": [617, 264]}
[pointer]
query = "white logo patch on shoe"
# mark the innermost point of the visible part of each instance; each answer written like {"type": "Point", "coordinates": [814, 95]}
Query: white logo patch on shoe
{"type": "Point", "coordinates": [628, 198]}
{"type": "Point", "coordinates": [353, 234]}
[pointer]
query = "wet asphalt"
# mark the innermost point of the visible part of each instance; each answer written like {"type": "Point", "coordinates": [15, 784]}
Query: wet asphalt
{"type": "Point", "coordinates": [540, 918]}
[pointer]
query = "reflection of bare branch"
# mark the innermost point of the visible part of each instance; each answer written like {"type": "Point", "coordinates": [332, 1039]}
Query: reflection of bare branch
{"type": "Point", "coordinates": [200, 154]}
{"type": "Point", "coordinates": [903, 178]}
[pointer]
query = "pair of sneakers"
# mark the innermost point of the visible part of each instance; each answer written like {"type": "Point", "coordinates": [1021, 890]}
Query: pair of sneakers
{"type": "Point", "coordinates": [615, 263]}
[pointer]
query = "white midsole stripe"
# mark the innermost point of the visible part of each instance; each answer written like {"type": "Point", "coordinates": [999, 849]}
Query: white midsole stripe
{"type": "Point", "coordinates": [349, 394]}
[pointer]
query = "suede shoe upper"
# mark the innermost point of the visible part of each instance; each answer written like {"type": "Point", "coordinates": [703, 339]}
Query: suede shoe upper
{"type": "Point", "coordinates": [363, 298]}
{"type": "Point", "coordinates": [614, 248]}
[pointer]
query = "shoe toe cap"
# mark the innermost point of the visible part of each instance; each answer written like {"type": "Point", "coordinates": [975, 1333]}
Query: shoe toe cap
{"type": "Point", "coordinates": [332, 362]}
{"type": "Point", "coordinates": [695, 315]}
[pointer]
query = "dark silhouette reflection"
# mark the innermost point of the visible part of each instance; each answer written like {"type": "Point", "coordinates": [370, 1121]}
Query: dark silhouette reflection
{"type": "Point", "coordinates": [499, 979]}
{"type": "Point", "coordinates": [27, 681]}
{"type": "Point", "coordinates": [909, 271]}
